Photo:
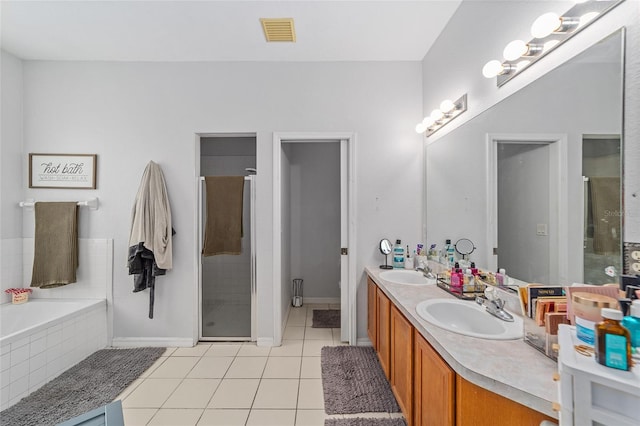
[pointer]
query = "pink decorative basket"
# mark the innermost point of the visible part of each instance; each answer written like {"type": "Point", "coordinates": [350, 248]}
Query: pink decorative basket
{"type": "Point", "coordinates": [19, 295]}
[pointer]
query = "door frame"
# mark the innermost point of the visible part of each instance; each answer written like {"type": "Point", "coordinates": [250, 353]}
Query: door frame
{"type": "Point", "coordinates": [348, 289]}
{"type": "Point", "coordinates": [558, 198]}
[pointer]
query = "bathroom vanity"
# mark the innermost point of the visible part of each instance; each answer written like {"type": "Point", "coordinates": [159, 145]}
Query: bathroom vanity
{"type": "Point", "coordinates": [444, 378]}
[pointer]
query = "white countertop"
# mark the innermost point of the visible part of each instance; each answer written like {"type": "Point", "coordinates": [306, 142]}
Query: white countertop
{"type": "Point", "coordinates": [510, 368]}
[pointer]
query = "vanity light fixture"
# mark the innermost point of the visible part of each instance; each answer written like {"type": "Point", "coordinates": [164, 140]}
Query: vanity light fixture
{"type": "Point", "coordinates": [549, 31]}
{"type": "Point", "coordinates": [439, 117]}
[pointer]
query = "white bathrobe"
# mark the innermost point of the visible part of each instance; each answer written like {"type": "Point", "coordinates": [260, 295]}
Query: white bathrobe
{"type": "Point", "coordinates": [151, 217]}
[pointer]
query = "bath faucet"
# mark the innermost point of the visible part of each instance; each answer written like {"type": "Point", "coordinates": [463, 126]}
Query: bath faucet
{"type": "Point", "coordinates": [426, 271]}
{"type": "Point", "coordinates": [495, 307]}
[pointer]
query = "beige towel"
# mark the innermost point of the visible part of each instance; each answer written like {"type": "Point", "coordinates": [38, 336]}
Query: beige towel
{"type": "Point", "coordinates": [223, 229]}
{"type": "Point", "coordinates": [55, 257]}
{"type": "Point", "coordinates": [605, 205]}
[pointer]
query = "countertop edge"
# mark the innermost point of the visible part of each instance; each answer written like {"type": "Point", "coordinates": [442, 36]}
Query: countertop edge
{"type": "Point", "coordinates": [467, 372]}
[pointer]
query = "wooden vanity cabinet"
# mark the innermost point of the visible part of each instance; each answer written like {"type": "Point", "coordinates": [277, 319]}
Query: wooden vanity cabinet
{"type": "Point", "coordinates": [372, 317]}
{"type": "Point", "coordinates": [383, 327]}
{"type": "Point", "coordinates": [477, 406]}
{"type": "Point", "coordinates": [402, 361]}
{"type": "Point", "coordinates": [433, 386]}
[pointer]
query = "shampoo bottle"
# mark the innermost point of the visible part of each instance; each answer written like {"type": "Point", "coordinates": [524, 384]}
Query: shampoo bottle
{"type": "Point", "coordinates": [612, 341]}
{"type": "Point", "coordinates": [398, 255]}
{"type": "Point", "coordinates": [632, 323]}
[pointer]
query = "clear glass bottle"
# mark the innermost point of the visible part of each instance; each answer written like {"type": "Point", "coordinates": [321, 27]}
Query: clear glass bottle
{"type": "Point", "coordinates": [613, 341]}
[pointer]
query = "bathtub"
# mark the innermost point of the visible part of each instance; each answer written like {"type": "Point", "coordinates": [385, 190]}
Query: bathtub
{"type": "Point", "coordinates": [42, 338]}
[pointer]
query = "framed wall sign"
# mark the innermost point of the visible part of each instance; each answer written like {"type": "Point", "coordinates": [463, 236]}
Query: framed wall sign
{"type": "Point", "coordinates": [70, 171]}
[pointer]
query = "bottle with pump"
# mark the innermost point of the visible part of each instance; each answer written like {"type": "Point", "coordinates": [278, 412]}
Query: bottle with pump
{"type": "Point", "coordinates": [612, 341]}
{"type": "Point", "coordinates": [632, 323]}
{"type": "Point", "coordinates": [398, 255]}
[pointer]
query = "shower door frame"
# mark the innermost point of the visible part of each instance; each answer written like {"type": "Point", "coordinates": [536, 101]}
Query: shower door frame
{"type": "Point", "coordinates": [252, 262]}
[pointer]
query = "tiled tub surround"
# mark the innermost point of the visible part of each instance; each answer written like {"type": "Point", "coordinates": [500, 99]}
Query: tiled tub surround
{"type": "Point", "coordinates": [510, 368]}
{"type": "Point", "coordinates": [42, 338]}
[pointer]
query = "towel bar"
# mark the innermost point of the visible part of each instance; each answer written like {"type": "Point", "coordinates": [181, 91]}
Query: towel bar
{"type": "Point", "coordinates": [91, 203]}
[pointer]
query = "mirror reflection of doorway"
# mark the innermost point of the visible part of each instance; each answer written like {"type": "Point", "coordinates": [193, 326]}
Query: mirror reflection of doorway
{"type": "Point", "coordinates": [601, 171]}
{"type": "Point", "coordinates": [523, 197]}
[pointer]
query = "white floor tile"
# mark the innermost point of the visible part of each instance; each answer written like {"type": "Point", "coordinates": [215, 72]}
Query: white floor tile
{"type": "Point", "coordinates": [276, 393]}
{"type": "Point", "coordinates": [223, 349]}
{"type": "Point", "coordinates": [318, 333]}
{"type": "Point", "coordinates": [138, 416]}
{"type": "Point", "coordinates": [129, 389]}
{"type": "Point", "coordinates": [272, 418]}
{"type": "Point", "coordinates": [153, 367]}
{"type": "Point", "coordinates": [210, 367]}
{"type": "Point", "coordinates": [174, 368]}
{"type": "Point", "coordinates": [234, 393]}
{"type": "Point", "coordinates": [212, 417]}
{"type": "Point", "coordinates": [311, 395]}
{"type": "Point", "coordinates": [251, 349]}
{"type": "Point", "coordinates": [310, 417]}
{"type": "Point", "coordinates": [336, 334]}
{"type": "Point", "coordinates": [313, 347]}
{"type": "Point", "coordinates": [192, 393]}
{"type": "Point", "coordinates": [198, 350]}
{"type": "Point", "coordinates": [297, 317]}
{"type": "Point", "coordinates": [175, 417]}
{"type": "Point", "coordinates": [311, 368]}
{"type": "Point", "coordinates": [169, 351]}
{"type": "Point", "coordinates": [288, 348]}
{"type": "Point", "coordinates": [246, 367]}
{"type": "Point", "coordinates": [282, 368]}
{"type": "Point", "coordinates": [151, 393]}
{"type": "Point", "coordinates": [293, 332]}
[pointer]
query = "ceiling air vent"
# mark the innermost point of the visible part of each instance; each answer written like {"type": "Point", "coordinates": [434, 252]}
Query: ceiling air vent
{"type": "Point", "coordinates": [280, 29]}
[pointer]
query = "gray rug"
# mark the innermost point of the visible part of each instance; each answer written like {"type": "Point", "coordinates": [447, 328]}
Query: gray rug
{"type": "Point", "coordinates": [363, 421]}
{"type": "Point", "coordinates": [326, 318]}
{"type": "Point", "coordinates": [90, 384]}
{"type": "Point", "coordinates": [353, 381]}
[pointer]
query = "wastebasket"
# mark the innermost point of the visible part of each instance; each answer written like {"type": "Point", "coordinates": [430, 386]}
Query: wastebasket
{"type": "Point", "coordinates": [296, 301]}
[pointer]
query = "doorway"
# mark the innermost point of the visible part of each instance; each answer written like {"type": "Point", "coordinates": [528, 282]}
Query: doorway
{"type": "Point", "coordinates": [527, 217]}
{"type": "Point", "coordinates": [285, 147]}
{"type": "Point", "coordinates": [227, 282]}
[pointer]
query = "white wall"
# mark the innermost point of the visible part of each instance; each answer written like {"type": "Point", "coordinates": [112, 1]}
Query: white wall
{"type": "Point", "coordinates": [130, 113]}
{"type": "Point", "coordinates": [10, 173]}
{"type": "Point", "coordinates": [479, 31]}
{"type": "Point", "coordinates": [315, 217]}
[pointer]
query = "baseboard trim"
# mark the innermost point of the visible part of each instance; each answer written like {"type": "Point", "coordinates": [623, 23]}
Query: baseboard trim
{"type": "Point", "coordinates": [363, 341]}
{"type": "Point", "coordinates": [162, 342]}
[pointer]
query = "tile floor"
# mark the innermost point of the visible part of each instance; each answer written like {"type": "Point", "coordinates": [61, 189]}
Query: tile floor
{"type": "Point", "coordinates": [227, 384]}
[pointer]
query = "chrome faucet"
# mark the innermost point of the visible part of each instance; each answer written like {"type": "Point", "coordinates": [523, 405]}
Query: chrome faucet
{"type": "Point", "coordinates": [426, 271]}
{"type": "Point", "coordinates": [494, 305]}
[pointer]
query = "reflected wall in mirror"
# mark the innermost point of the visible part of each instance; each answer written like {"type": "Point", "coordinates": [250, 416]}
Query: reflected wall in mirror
{"type": "Point", "coordinates": [522, 166]}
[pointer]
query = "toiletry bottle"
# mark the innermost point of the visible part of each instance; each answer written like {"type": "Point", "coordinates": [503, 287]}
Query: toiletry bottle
{"type": "Point", "coordinates": [632, 323]}
{"type": "Point", "coordinates": [500, 277]}
{"type": "Point", "coordinates": [474, 270]}
{"type": "Point", "coordinates": [613, 341]}
{"type": "Point", "coordinates": [408, 261]}
{"type": "Point", "coordinates": [450, 253]}
{"type": "Point", "coordinates": [398, 255]}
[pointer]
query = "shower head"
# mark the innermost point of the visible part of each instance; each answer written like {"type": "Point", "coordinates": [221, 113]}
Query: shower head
{"type": "Point", "coordinates": [251, 170]}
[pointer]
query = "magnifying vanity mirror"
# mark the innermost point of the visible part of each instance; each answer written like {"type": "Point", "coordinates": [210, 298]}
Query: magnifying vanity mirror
{"type": "Point", "coordinates": [546, 203]}
{"type": "Point", "coordinates": [385, 248]}
{"type": "Point", "coordinates": [465, 247]}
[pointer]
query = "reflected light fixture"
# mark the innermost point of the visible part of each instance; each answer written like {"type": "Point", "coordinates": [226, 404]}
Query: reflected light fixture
{"type": "Point", "coordinates": [440, 116]}
{"type": "Point", "coordinates": [548, 31]}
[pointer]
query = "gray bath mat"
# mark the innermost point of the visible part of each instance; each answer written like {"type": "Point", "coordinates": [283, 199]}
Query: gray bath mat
{"type": "Point", "coordinates": [326, 318]}
{"type": "Point", "coordinates": [363, 421]}
{"type": "Point", "coordinates": [353, 381]}
{"type": "Point", "coordinates": [92, 383]}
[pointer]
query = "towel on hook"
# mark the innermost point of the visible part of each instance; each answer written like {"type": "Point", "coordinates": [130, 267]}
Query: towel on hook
{"type": "Point", "coordinates": [223, 229]}
{"type": "Point", "coordinates": [55, 255]}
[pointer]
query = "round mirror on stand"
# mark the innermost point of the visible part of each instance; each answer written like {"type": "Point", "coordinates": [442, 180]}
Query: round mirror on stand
{"type": "Point", "coordinates": [385, 248]}
{"type": "Point", "coordinates": [465, 247]}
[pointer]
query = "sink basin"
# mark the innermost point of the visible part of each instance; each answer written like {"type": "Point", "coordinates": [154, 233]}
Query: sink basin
{"type": "Point", "coordinates": [406, 276]}
{"type": "Point", "coordinates": [468, 318]}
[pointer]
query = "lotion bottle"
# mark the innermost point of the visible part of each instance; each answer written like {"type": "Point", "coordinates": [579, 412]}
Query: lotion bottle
{"type": "Point", "coordinates": [632, 323]}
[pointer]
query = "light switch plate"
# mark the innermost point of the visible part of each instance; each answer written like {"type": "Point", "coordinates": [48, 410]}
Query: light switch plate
{"type": "Point", "coordinates": [632, 258]}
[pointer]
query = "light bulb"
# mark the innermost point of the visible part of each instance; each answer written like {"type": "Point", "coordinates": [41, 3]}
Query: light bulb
{"type": "Point", "coordinates": [545, 25]}
{"type": "Point", "coordinates": [492, 69]}
{"type": "Point", "coordinates": [421, 128]}
{"type": "Point", "coordinates": [436, 114]}
{"type": "Point", "coordinates": [586, 18]}
{"type": "Point", "coordinates": [428, 121]}
{"type": "Point", "coordinates": [515, 49]}
{"type": "Point", "coordinates": [447, 106]}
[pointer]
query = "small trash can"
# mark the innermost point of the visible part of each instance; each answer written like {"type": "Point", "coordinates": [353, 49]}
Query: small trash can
{"type": "Point", "coordinates": [296, 301]}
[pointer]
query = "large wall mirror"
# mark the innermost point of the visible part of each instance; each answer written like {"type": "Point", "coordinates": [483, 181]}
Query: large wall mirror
{"type": "Point", "coordinates": [535, 181]}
